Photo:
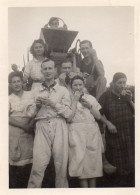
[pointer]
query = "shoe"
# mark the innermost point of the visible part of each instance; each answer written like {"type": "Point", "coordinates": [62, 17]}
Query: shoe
{"type": "Point", "coordinates": [108, 168]}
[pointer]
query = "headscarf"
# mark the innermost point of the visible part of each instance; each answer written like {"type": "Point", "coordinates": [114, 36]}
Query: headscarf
{"type": "Point", "coordinates": [118, 75]}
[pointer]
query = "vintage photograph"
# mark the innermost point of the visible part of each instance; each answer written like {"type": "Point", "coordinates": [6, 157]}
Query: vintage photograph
{"type": "Point", "coordinates": [71, 97]}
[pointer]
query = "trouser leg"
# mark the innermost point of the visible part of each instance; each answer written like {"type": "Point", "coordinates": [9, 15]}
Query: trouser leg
{"type": "Point", "coordinates": [41, 156]}
{"type": "Point", "coordinates": [60, 154]}
{"type": "Point", "coordinates": [49, 175]}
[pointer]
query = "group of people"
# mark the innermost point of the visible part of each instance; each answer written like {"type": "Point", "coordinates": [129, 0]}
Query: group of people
{"type": "Point", "coordinates": [65, 119]}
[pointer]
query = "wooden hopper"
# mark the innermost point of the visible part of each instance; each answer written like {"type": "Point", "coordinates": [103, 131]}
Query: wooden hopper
{"type": "Point", "coordinates": [59, 40]}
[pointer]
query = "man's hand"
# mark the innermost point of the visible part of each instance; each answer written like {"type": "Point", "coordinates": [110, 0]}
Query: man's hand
{"type": "Point", "coordinates": [47, 101]}
{"type": "Point", "coordinates": [111, 127]}
{"type": "Point", "coordinates": [93, 52]}
{"type": "Point", "coordinates": [50, 102]}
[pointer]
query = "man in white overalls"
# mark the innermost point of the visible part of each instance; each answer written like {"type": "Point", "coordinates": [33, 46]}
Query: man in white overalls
{"type": "Point", "coordinates": [52, 104]}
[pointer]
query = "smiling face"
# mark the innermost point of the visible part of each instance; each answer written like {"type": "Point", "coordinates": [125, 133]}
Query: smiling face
{"type": "Point", "coordinates": [48, 70]}
{"type": "Point", "coordinates": [85, 49]}
{"type": "Point", "coordinates": [39, 49]}
{"type": "Point", "coordinates": [77, 85]}
{"type": "Point", "coordinates": [66, 67]}
{"type": "Point", "coordinates": [119, 85]}
{"type": "Point", "coordinates": [16, 84]}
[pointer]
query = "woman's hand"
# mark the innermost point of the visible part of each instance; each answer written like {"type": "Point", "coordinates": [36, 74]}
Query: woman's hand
{"type": "Point", "coordinates": [38, 103]}
{"type": "Point", "coordinates": [86, 103]}
{"type": "Point", "coordinates": [111, 127]}
{"type": "Point", "coordinates": [77, 95]}
{"type": "Point", "coordinates": [128, 94]}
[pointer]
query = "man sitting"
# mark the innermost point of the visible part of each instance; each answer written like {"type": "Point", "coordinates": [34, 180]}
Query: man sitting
{"type": "Point", "coordinates": [93, 70]}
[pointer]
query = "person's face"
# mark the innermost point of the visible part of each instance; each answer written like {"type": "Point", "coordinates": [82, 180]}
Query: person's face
{"type": "Point", "coordinates": [85, 49]}
{"type": "Point", "coordinates": [38, 49]}
{"type": "Point", "coordinates": [16, 84]}
{"type": "Point", "coordinates": [54, 24]}
{"type": "Point", "coordinates": [66, 67]}
{"type": "Point", "coordinates": [120, 85]}
{"type": "Point", "coordinates": [48, 70]}
{"type": "Point", "coordinates": [77, 85]}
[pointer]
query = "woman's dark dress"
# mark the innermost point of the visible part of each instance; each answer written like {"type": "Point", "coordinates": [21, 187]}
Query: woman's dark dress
{"type": "Point", "coordinates": [120, 146]}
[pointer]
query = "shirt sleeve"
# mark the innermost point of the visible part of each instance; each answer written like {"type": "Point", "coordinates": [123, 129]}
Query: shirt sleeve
{"type": "Point", "coordinates": [63, 108]}
{"type": "Point", "coordinates": [93, 102]}
{"type": "Point", "coordinates": [31, 107]}
{"type": "Point", "coordinates": [103, 103]}
{"type": "Point", "coordinates": [96, 105]}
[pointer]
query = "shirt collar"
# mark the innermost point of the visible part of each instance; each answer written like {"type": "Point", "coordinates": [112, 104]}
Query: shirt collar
{"type": "Point", "coordinates": [45, 87]}
{"type": "Point", "coordinates": [37, 61]}
{"type": "Point", "coordinates": [19, 96]}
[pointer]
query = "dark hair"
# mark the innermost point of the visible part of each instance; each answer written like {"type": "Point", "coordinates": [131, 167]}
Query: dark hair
{"type": "Point", "coordinates": [14, 74]}
{"type": "Point", "coordinates": [117, 76]}
{"type": "Point", "coordinates": [52, 19]}
{"type": "Point", "coordinates": [86, 41]}
{"type": "Point", "coordinates": [42, 43]}
{"type": "Point", "coordinates": [77, 77]}
{"type": "Point", "coordinates": [66, 60]}
{"type": "Point", "coordinates": [47, 60]}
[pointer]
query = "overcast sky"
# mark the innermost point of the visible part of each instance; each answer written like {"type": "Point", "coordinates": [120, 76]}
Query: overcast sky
{"type": "Point", "coordinates": [110, 29]}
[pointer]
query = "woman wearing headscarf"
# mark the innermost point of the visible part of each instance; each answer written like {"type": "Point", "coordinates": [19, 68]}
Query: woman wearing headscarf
{"type": "Point", "coordinates": [118, 108]}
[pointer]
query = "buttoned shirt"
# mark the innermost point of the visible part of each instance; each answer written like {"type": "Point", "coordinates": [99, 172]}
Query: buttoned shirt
{"type": "Point", "coordinates": [59, 95]}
